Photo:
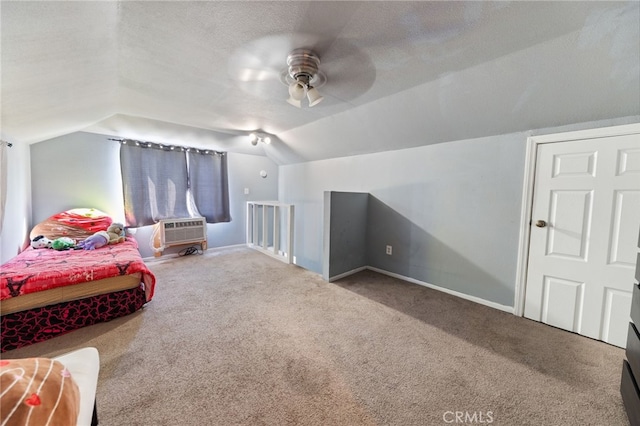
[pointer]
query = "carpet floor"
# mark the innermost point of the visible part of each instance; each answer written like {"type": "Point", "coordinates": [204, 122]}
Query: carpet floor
{"type": "Point", "coordinates": [234, 337]}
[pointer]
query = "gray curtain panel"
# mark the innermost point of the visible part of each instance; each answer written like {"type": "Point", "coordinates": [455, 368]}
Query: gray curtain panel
{"type": "Point", "coordinates": [209, 184]}
{"type": "Point", "coordinates": [155, 183]}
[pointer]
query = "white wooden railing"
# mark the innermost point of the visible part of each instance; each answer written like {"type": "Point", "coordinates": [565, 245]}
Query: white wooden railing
{"type": "Point", "coordinates": [270, 228]}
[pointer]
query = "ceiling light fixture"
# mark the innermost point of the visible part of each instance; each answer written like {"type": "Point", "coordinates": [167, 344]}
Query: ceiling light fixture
{"type": "Point", "coordinates": [254, 138]}
{"type": "Point", "coordinates": [303, 77]}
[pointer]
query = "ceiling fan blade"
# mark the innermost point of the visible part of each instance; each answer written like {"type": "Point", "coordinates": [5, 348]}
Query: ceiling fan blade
{"type": "Point", "coordinates": [262, 59]}
{"type": "Point", "coordinates": [268, 53]}
{"type": "Point", "coordinates": [256, 74]}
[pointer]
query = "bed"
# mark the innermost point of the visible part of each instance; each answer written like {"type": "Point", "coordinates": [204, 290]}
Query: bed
{"type": "Point", "coordinates": [46, 292]}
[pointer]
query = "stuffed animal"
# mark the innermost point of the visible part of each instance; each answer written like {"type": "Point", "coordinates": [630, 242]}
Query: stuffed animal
{"type": "Point", "coordinates": [41, 241]}
{"type": "Point", "coordinates": [97, 240]}
{"type": "Point", "coordinates": [63, 243]}
{"type": "Point", "coordinates": [116, 233]}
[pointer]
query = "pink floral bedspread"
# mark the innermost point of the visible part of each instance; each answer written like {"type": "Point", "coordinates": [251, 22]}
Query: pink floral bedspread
{"type": "Point", "coordinates": [36, 270]}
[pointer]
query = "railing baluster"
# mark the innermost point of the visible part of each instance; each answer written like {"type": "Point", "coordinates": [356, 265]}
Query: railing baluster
{"type": "Point", "coordinates": [253, 240]}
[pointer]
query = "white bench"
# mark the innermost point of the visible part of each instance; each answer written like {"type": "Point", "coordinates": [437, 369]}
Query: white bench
{"type": "Point", "coordinates": [84, 366]}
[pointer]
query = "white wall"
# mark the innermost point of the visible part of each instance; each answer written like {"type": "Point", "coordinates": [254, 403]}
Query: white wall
{"type": "Point", "coordinates": [17, 215]}
{"type": "Point", "coordinates": [76, 170]}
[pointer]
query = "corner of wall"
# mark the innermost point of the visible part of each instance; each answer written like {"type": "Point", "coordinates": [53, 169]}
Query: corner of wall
{"type": "Point", "coordinates": [17, 215]}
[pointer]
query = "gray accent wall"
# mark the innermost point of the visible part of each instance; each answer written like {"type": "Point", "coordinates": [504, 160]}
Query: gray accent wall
{"type": "Point", "coordinates": [83, 170]}
{"type": "Point", "coordinates": [451, 211]}
{"type": "Point", "coordinates": [358, 229]}
{"type": "Point", "coordinates": [345, 234]}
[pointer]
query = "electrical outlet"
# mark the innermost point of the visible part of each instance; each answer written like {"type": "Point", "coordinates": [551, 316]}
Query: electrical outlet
{"type": "Point", "coordinates": [246, 191]}
{"type": "Point", "coordinates": [389, 250]}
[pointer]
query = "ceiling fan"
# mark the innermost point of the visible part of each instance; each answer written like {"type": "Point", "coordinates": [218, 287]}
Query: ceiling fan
{"type": "Point", "coordinates": [293, 67]}
{"type": "Point", "coordinates": [303, 77]}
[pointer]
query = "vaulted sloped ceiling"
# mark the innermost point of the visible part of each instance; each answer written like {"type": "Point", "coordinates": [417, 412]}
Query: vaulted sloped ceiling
{"type": "Point", "coordinates": [399, 74]}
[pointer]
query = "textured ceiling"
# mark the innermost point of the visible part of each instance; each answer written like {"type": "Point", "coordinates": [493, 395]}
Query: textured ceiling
{"type": "Point", "coordinates": [400, 74]}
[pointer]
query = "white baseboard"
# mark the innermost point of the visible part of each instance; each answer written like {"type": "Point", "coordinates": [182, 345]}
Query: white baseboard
{"type": "Point", "coordinates": [475, 299]}
{"type": "Point", "coordinates": [174, 255]}
{"type": "Point", "coordinates": [346, 274]}
{"type": "Point", "coordinates": [281, 255]}
{"type": "Point", "coordinates": [227, 247]}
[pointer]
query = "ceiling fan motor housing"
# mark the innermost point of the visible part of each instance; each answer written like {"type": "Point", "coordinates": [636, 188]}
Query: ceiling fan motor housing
{"type": "Point", "coordinates": [303, 65]}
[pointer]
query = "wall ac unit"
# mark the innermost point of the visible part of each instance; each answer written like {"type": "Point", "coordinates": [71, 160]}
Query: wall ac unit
{"type": "Point", "coordinates": [174, 232]}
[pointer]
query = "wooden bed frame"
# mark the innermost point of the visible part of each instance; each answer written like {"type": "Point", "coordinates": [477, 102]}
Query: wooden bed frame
{"type": "Point", "coordinates": [69, 293]}
{"type": "Point", "coordinates": [28, 326]}
{"type": "Point", "coordinates": [46, 292]}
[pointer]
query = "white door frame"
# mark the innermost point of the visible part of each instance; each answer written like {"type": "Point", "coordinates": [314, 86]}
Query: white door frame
{"type": "Point", "coordinates": [527, 195]}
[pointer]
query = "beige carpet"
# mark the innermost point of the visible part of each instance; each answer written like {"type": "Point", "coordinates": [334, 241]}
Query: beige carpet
{"type": "Point", "coordinates": [234, 337]}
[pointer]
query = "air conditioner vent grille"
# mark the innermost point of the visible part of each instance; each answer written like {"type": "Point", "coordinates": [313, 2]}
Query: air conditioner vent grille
{"type": "Point", "coordinates": [183, 231]}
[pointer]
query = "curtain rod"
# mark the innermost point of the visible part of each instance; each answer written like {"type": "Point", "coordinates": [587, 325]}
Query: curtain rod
{"type": "Point", "coordinates": [161, 145]}
{"type": "Point", "coordinates": [9, 144]}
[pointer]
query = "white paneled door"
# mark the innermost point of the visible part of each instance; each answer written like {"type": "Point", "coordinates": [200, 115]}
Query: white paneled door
{"type": "Point", "coordinates": [584, 232]}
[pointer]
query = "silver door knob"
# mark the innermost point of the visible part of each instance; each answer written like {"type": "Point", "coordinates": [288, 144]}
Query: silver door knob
{"type": "Point", "coordinates": [541, 223]}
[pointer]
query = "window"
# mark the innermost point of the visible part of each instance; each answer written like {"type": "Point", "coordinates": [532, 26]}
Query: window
{"type": "Point", "coordinates": [166, 182]}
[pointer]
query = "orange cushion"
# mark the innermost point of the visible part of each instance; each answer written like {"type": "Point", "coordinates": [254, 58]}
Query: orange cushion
{"type": "Point", "coordinates": [38, 389]}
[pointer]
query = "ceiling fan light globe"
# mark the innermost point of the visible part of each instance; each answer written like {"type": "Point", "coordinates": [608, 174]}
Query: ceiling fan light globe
{"type": "Point", "coordinates": [294, 102]}
{"type": "Point", "coordinates": [267, 140]}
{"type": "Point", "coordinates": [314, 96]}
{"type": "Point", "coordinates": [297, 91]}
{"type": "Point", "coordinates": [253, 137]}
